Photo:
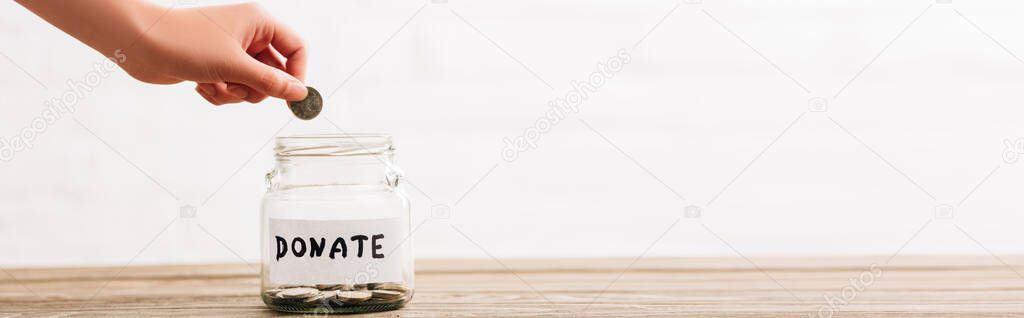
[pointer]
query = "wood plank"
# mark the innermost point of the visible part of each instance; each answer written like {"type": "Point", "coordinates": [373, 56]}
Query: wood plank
{"type": "Point", "coordinates": [911, 286]}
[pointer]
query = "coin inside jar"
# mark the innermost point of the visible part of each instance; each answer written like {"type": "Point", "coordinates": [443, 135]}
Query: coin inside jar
{"type": "Point", "coordinates": [387, 294]}
{"type": "Point", "coordinates": [272, 292]}
{"type": "Point", "coordinates": [333, 287]}
{"type": "Point", "coordinates": [387, 286]}
{"type": "Point", "coordinates": [353, 296]}
{"type": "Point", "coordinates": [298, 292]}
{"type": "Point", "coordinates": [320, 297]}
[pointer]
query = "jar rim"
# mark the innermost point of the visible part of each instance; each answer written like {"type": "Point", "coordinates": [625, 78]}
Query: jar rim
{"type": "Point", "coordinates": [333, 144]}
{"type": "Point", "coordinates": [333, 135]}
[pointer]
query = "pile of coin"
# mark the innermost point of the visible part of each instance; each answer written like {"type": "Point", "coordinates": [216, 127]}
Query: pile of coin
{"type": "Point", "coordinates": [340, 295]}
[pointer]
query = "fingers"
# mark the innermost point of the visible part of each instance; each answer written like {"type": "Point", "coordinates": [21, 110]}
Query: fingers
{"type": "Point", "coordinates": [204, 93]}
{"type": "Point", "coordinates": [265, 79]}
{"type": "Point", "coordinates": [251, 95]}
{"type": "Point", "coordinates": [274, 64]}
{"type": "Point", "coordinates": [290, 45]}
{"type": "Point", "coordinates": [226, 93]}
{"type": "Point", "coordinates": [217, 93]}
{"type": "Point", "coordinates": [270, 57]}
{"type": "Point", "coordinates": [223, 93]}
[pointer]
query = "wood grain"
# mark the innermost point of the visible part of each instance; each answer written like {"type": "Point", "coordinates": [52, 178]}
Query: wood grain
{"type": "Point", "coordinates": [965, 286]}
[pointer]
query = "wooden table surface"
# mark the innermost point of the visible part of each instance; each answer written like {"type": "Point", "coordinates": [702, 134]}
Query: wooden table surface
{"type": "Point", "coordinates": [966, 286]}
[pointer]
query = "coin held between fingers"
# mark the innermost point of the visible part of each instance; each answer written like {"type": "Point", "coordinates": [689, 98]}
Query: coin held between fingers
{"type": "Point", "coordinates": [309, 107]}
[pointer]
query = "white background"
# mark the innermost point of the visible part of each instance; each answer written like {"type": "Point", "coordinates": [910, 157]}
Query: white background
{"type": "Point", "coordinates": [932, 90]}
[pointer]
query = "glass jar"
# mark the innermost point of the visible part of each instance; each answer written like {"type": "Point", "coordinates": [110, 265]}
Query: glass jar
{"type": "Point", "coordinates": [335, 226]}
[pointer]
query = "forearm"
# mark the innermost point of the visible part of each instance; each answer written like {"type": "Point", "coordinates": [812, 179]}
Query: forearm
{"type": "Point", "coordinates": [104, 25]}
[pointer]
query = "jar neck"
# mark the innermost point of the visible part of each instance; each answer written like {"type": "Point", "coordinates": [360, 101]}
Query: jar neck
{"type": "Point", "coordinates": [334, 160]}
{"type": "Point", "coordinates": [366, 170]}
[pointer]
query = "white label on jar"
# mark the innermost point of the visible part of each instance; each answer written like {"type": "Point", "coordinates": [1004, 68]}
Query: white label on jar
{"type": "Point", "coordinates": [335, 251]}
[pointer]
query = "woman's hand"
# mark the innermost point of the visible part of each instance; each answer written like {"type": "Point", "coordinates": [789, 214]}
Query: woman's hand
{"type": "Point", "coordinates": [234, 53]}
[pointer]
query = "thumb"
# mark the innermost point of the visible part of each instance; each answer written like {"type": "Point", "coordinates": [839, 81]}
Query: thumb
{"type": "Point", "coordinates": [266, 79]}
